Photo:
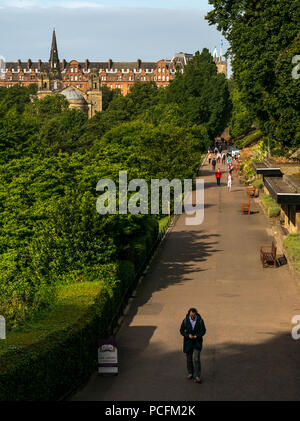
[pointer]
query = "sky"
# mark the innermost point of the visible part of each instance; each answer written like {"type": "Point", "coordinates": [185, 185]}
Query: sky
{"type": "Point", "coordinates": [122, 30]}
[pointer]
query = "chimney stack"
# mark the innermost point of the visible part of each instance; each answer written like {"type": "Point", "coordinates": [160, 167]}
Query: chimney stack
{"type": "Point", "coordinates": [86, 65]}
{"type": "Point", "coordinates": [29, 63]}
{"type": "Point", "coordinates": [110, 63]}
{"type": "Point", "coordinates": [39, 64]}
{"type": "Point", "coordinates": [139, 64]}
{"type": "Point", "coordinates": [63, 64]}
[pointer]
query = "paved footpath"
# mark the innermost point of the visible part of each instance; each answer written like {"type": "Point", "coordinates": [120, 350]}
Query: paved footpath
{"type": "Point", "coordinates": [248, 351]}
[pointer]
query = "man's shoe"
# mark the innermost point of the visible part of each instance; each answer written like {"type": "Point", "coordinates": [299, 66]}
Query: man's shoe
{"type": "Point", "coordinates": [197, 380]}
{"type": "Point", "coordinates": [189, 377]}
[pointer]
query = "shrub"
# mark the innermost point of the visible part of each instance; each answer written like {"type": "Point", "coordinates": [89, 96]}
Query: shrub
{"type": "Point", "coordinates": [250, 138]}
{"type": "Point", "coordinates": [258, 183]}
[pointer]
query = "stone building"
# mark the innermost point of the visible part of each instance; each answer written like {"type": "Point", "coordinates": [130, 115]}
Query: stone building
{"type": "Point", "coordinates": [81, 82]}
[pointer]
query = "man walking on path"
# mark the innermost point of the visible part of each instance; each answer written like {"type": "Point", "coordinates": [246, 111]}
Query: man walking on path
{"type": "Point", "coordinates": [218, 176]}
{"type": "Point", "coordinates": [193, 329]}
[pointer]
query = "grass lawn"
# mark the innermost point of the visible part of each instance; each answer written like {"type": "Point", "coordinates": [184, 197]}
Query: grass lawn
{"type": "Point", "coordinates": [292, 243]}
{"type": "Point", "coordinates": [272, 208]}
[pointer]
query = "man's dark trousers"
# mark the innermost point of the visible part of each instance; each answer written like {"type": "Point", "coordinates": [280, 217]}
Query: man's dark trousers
{"type": "Point", "coordinates": [193, 362]}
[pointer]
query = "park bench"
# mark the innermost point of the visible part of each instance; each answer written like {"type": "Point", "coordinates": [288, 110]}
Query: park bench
{"type": "Point", "coordinates": [268, 255]}
{"type": "Point", "coordinates": [245, 208]}
{"type": "Point", "coordinates": [251, 191]}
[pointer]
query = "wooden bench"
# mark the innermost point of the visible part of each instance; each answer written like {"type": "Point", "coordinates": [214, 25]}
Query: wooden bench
{"type": "Point", "coordinates": [251, 191]}
{"type": "Point", "coordinates": [245, 208]}
{"type": "Point", "coordinates": [268, 255]}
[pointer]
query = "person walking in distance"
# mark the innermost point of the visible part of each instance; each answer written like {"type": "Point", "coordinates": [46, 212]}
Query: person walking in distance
{"type": "Point", "coordinates": [193, 329]}
{"type": "Point", "coordinates": [209, 158]}
{"type": "Point", "coordinates": [229, 181]}
{"type": "Point", "coordinates": [213, 163]}
{"type": "Point", "coordinates": [219, 156]}
{"type": "Point", "coordinates": [218, 176]}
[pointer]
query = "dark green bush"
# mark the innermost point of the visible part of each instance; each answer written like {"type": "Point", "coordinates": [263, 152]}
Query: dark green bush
{"type": "Point", "coordinates": [48, 358]}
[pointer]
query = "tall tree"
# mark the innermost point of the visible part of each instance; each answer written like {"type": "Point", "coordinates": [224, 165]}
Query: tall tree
{"type": "Point", "coordinates": [263, 35]}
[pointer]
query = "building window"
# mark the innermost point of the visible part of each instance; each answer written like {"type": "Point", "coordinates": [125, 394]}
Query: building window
{"type": "Point", "coordinates": [167, 78]}
{"type": "Point", "coordinates": [158, 77]}
{"type": "Point", "coordinates": [71, 77]}
{"type": "Point", "coordinates": [72, 70]}
{"type": "Point", "coordinates": [163, 70]}
{"type": "Point", "coordinates": [76, 78]}
{"type": "Point", "coordinates": [163, 78]}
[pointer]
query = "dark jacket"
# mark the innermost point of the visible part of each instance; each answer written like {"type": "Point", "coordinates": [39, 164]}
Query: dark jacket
{"type": "Point", "coordinates": [199, 331]}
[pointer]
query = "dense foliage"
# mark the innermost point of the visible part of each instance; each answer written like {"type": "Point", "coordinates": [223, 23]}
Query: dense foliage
{"type": "Point", "coordinates": [264, 37]}
{"type": "Point", "coordinates": [51, 158]}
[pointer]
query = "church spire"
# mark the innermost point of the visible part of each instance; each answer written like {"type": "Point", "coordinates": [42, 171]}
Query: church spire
{"type": "Point", "coordinates": [54, 60]}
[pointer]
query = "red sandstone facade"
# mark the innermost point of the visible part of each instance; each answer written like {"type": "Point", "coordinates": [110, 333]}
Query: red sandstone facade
{"type": "Point", "coordinates": [115, 75]}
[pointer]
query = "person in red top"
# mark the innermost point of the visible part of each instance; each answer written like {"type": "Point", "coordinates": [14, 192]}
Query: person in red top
{"type": "Point", "coordinates": [218, 176]}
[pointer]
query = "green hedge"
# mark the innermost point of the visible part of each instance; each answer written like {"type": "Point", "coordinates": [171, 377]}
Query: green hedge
{"type": "Point", "coordinates": [140, 247]}
{"type": "Point", "coordinates": [272, 208]}
{"type": "Point", "coordinates": [247, 140]}
{"type": "Point", "coordinates": [292, 244]}
{"type": "Point", "coordinates": [47, 358]}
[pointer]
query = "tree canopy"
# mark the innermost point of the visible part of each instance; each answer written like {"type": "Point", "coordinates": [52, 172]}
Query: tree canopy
{"type": "Point", "coordinates": [263, 37]}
